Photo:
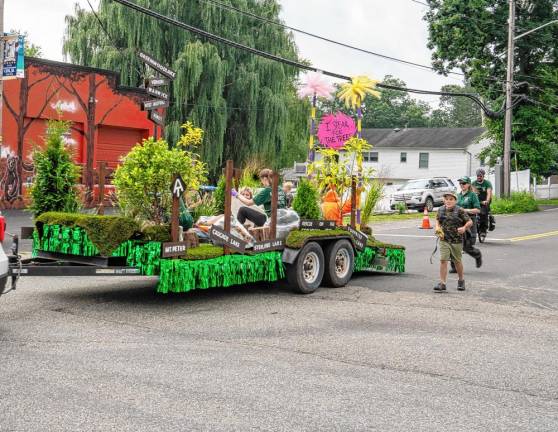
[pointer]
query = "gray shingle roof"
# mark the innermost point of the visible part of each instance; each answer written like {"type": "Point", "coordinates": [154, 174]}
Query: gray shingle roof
{"type": "Point", "coordinates": [437, 138]}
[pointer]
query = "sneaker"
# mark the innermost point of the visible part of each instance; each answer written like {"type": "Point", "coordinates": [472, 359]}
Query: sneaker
{"type": "Point", "coordinates": [440, 287]}
{"type": "Point", "coordinates": [461, 285]}
{"type": "Point", "coordinates": [479, 261]}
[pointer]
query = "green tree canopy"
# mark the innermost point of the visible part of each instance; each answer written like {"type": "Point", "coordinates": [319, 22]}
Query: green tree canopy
{"type": "Point", "coordinates": [456, 111]}
{"type": "Point", "coordinates": [246, 104]}
{"type": "Point", "coordinates": [471, 35]}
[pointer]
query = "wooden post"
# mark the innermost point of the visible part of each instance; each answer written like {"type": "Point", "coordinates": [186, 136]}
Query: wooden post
{"type": "Point", "coordinates": [102, 171]}
{"type": "Point", "coordinates": [229, 172]}
{"type": "Point", "coordinates": [274, 205]}
{"type": "Point", "coordinates": [353, 202]}
{"type": "Point", "coordinates": [174, 214]}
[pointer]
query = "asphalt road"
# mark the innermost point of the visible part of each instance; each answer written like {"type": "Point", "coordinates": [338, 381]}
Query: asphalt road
{"type": "Point", "coordinates": [385, 353]}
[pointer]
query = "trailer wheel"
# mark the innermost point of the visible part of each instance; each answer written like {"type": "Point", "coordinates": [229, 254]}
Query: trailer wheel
{"type": "Point", "coordinates": [339, 260]}
{"type": "Point", "coordinates": [306, 273]}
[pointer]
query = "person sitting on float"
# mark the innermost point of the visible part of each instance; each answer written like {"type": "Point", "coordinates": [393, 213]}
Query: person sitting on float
{"type": "Point", "coordinates": [263, 197]}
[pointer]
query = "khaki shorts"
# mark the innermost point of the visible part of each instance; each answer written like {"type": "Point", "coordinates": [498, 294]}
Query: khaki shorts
{"type": "Point", "coordinates": [451, 251]}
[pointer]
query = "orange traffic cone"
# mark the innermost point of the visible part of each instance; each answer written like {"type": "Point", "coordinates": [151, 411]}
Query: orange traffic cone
{"type": "Point", "coordinates": [425, 220]}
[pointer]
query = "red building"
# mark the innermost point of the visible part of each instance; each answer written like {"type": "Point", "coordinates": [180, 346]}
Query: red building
{"type": "Point", "coordinates": [106, 120]}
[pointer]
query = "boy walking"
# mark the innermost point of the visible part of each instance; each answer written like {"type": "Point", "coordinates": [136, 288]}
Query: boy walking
{"type": "Point", "coordinates": [451, 223]}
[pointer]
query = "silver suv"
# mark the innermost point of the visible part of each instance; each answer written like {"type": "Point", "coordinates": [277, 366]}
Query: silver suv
{"type": "Point", "coordinates": [422, 193]}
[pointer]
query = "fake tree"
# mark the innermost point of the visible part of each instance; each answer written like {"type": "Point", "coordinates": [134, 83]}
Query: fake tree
{"type": "Point", "coordinates": [306, 201]}
{"type": "Point", "coordinates": [143, 180]}
{"type": "Point", "coordinates": [54, 186]}
{"type": "Point", "coordinates": [246, 105]}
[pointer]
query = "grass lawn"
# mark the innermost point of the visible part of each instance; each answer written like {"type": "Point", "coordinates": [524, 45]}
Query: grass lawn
{"type": "Point", "coordinates": [548, 202]}
{"type": "Point", "coordinates": [378, 218]}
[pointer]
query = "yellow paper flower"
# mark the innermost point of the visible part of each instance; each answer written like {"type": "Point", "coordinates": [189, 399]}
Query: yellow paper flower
{"type": "Point", "coordinates": [354, 92]}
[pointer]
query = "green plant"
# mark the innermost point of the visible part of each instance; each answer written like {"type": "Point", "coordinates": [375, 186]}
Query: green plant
{"type": "Point", "coordinates": [518, 202]}
{"type": "Point", "coordinates": [373, 195]}
{"type": "Point", "coordinates": [251, 171]}
{"type": "Point", "coordinates": [401, 207]}
{"type": "Point", "coordinates": [306, 202]}
{"type": "Point", "coordinates": [143, 180]}
{"type": "Point", "coordinates": [219, 196]}
{"type": "Point", "coordinates": [205, 207]}
{"type": "Point", "coordinates": [54, 186]}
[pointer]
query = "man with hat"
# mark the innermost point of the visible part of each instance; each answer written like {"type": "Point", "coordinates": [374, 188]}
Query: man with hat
{"type": "Point", "coordinates": [452, 222]}
{"type": "Point", "coordinates": [468, 201]}
{"type": "Point", "coordinates": [483, 188]}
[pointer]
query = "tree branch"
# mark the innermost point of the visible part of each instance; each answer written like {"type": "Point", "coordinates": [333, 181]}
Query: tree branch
{"type": "Point", "coordinates": [110, 110]}
{"type": "Point", "coordinates": [29, 87]}
{"type": "Point", "coordinates": [47, 100]}
{"type": "Point", "coordinates": [73, 91]}
{"type": "Point", "coordinates": [9, 106]}
{"type": "Point", "coordinates": [100, 82]}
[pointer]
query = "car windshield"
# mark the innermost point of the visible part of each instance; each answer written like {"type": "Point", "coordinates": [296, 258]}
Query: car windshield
{"type": "Point", "coordinates": [415, 184]}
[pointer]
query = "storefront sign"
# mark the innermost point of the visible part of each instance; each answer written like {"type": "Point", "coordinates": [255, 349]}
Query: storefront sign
{"type": "Point", "coordinates": [317, 224]}
{"type": "Point", "coordinates": [174, 249]}
{"type": "Point", "coordinates": [13, 66]}
{"type": "Point", "coordinates": [161, 68]}
{"type": "Point", "coordinates": [269, 245]}
{"type": "Point", "coordinates": [220, 237]}
{"type": "Point", "coordinates": [359, 238]}
{"type": "Point", "coordinates": [335, 130]}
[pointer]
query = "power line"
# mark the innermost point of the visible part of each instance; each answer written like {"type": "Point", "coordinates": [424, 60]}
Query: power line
{"type": "Point", "coordinates": [293, 63]}
{"type": "Point", "coordinates": [322, 38]}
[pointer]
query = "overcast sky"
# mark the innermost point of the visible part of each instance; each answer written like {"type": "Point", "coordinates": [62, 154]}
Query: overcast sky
{"type": "Point", "coordinates": [393, 28]}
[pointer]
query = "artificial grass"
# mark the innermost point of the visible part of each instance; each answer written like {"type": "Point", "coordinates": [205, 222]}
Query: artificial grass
{"type": "Point", "coordinates": [372, 242]}
{"type": "Point", "coordinates": [394, 260]}
{"type": "Point", "coordinates": [297, 237]}
{"type": "Point", "coordinates": [178, 275]}
{"type": "Point", "coordinates": [364, 259]}
{"type": "Point", "coordinates": [102, 234]}
{"type": "Point", "coordinates": [157, 233]}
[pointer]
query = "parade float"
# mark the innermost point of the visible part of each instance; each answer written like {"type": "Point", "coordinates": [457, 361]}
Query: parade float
{"type": "Point", "coordinates": [317, 243]}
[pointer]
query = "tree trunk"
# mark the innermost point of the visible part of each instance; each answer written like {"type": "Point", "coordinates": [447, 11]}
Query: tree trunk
{"type": "Point", "coordinates": [90, 134]}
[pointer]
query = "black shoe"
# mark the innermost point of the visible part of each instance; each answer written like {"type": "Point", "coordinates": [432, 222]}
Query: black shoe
{"type": "Point", "coordinates": [461, 285]}
{"type": "Point", "coordinates": [440, 287]}
{"type": "Point", "coordinates": [479, 261]}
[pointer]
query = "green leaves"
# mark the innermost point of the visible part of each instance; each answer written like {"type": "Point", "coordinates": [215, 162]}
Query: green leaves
{"type": "Point", "coordinates": [143, 180]}
{"type": "Point", "coordinates": [54, 185]}
{"type": "Point", "coordinates": [306, 202]}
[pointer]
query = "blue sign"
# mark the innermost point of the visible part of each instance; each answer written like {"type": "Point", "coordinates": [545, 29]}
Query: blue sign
{"type": "Point", "coordinates": [14, 55]}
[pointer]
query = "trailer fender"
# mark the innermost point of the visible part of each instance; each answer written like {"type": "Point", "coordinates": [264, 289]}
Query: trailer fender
{"type": "Point", "coordinates": [290, 255]}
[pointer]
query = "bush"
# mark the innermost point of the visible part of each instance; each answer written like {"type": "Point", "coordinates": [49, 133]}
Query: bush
{"type": "Point", "coordinates": [219, 196]}
{"type": "Point", "coordinates": [143, 181]}
{"type": "Point", "coordinates": [518, 202]}
{"type": "Point", "coordinates": [54, 186]}
{"type": "Point", "coordinates": [306, 202]}
{"type": "Point", "coordinates": [401, 207]}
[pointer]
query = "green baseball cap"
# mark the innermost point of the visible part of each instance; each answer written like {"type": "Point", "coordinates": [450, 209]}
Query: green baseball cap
{"type": "Point", "coordinates": [464, 179]}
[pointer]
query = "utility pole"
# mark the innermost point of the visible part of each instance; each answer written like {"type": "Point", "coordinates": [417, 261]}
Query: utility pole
{"type": "Point", "coordinates": [509, 89]}
{"type": "Point", "coordinates": [1, 71]}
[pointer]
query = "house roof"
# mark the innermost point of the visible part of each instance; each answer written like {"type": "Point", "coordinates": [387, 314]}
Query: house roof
{"type": "Point", "coordinates": [431, 138]}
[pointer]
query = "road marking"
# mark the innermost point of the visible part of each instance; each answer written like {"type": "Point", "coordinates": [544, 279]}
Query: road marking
{"type": "Point", "coordinates": [552, 209]}
{"type": "Point", "coordinates": [405, 235]}
{"type": "Point", "coordinates": [534, 236]}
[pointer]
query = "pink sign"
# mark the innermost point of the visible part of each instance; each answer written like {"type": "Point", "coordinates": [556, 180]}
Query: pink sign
{"type": "Point", "coordinates": [335, 130]}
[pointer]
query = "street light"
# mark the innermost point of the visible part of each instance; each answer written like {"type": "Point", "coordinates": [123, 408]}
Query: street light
{"type": "Point", "coordinates": [509, 87]}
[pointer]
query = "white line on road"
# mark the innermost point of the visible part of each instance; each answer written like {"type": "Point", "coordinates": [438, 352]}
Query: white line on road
{"type": "Point", "coordinates": [489, 239]}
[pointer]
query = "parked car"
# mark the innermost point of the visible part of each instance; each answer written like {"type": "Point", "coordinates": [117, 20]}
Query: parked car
{"type": "Point", "coordinates": [422, 193]}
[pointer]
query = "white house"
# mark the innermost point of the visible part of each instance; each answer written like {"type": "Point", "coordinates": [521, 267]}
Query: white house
{"type": "Point", "coordinates": [403, 154]}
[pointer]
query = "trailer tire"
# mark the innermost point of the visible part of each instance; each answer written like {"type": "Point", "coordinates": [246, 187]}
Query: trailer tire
{"type": "Point", "coordinates": [339, 261]}
{"type": "Point", "coordinates": [306, 273]}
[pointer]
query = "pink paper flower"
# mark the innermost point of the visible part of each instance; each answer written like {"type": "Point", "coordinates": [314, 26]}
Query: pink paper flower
{"type": "Point", "coordinates": [315, 83]}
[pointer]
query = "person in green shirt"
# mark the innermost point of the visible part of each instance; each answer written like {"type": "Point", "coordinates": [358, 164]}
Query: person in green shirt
{"type": "Point", "coordinates": [483, 188]}
{"type": "Point", "coordinates": [263, 197]}
{"type": "Point", "coordinates": [468, 201]}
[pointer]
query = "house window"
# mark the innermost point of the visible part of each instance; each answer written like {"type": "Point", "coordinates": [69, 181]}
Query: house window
{"type": "Point", "coordinates": [423, 160]}
{"type": "Point", "coordinates": [373, 156]}
{"type": "Point", "coordinates": [403, 158]}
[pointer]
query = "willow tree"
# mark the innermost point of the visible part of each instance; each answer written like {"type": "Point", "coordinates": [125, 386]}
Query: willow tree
{"type": "Point", "coordinates": [246, 104]}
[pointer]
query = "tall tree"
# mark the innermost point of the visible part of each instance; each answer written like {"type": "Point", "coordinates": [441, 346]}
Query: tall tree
{"type": "Point", "coordinates": [247, 105]}
{"type": "Point", "coordinates": [457, 112]}
{"type": "Point", "coordinates": [394, 109]}
{"type": "Point", "coordinates": [472, 35]}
